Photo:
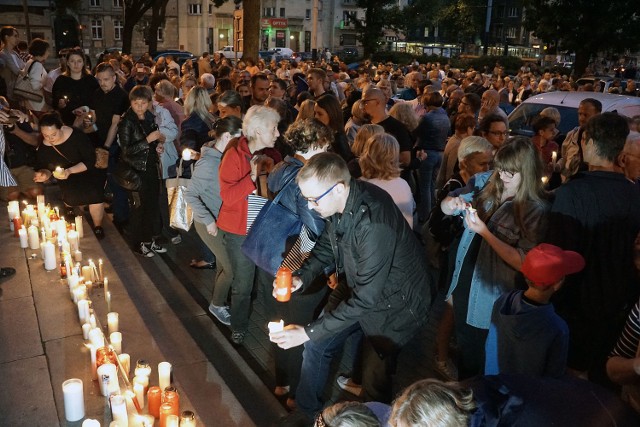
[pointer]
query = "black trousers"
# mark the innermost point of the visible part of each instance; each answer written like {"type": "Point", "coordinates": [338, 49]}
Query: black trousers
{"type": "Point", "coordinates": [145, 221]}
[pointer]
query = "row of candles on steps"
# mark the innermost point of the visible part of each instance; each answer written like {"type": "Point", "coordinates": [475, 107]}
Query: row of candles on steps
{"type": "Point", "coordinates": [107, 359]}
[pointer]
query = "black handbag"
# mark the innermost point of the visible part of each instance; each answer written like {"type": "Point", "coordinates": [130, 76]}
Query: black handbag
{"type": "Point", "coordinates": [126, 177]}
{"type": "Point", "coordinates": [273, 233]}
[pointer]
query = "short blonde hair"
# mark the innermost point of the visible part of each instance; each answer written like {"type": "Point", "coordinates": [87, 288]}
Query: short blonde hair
{"type": "Point", "coordinates": [364, 133]}
{"type": "Point", "coordinates": [381, 157]}
{"type": "Point", "coordinates": [406, 114]}
{"type": "Point", "coordinates": [259, 117]}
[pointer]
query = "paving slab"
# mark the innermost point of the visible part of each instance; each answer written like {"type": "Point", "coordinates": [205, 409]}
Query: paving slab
{"type": "Point", "coordinates": [19, 334]}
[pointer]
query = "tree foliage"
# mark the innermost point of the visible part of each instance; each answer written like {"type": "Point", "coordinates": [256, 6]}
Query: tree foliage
{"type": "Point", "coordinates": [462, 20]}
{"type": "Point", "coordinates": [379, 14]}
{"type": "Point", "coordinates": [585, 27]}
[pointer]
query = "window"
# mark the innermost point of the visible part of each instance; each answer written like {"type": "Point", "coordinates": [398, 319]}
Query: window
{"type": "Point", "coordinates": [96, 29]}
{"type": "Point", "coordinates": [282, 14]}
{"type": "Point", "coordinates": [269, 12]}
{"type": "Point", "coordinates": [94, 3]}
{"type": "Point", "coordinates": [195, 9]}
{"type": "Point", "coordinates": [160, 34]}
{"type": "Point", "coordinates": [210, 9]}
{"type": "Point", "coordinates": [499, 32]}
{"type": "Point", "coordinates": [118, 24]}
{"type": "Point", "coordinates": [511, 33]}
{"type": "Point", "coordinates": [513, 12]}
{"type": "Point", "coordinates": [307, 14]}
{"type": "Point", "coordinates": [349, 17]}
{"type": "Point", "coordinates": [117, 3]}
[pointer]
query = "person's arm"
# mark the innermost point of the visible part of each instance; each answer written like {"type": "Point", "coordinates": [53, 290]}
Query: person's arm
{"type": "Point", "coordinates": [30, 138]}
{"type": "Point", "coordinates": [506, 252]}
{"type": "Point", "coordinates": [623, 366]}
{"type": "Point", "coordinates": [113, 131]}
{"type": "Point", "coordinates": [623, 371]}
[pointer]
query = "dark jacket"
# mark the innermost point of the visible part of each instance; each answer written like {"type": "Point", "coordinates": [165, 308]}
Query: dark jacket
{"type": "Point", "coordinates": [283, 173]}
{"type": "Point", "coordinates": [133, 139]}
{"type": "Point", "coordinates": [372, 244]}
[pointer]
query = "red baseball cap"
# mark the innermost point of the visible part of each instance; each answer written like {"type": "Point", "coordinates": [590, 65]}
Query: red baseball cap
{"type": "Point", "coordinates": [546, 264]}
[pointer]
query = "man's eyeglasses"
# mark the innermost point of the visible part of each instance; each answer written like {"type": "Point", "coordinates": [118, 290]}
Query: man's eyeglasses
{"type": "Point", "coordinates": [499, 133]}
{"type": "Point", "coordinates": [316, 200]}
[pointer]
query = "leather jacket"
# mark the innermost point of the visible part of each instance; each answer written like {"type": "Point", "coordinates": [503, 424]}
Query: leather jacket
{"type": "Point", "coordinates": [133, 139]}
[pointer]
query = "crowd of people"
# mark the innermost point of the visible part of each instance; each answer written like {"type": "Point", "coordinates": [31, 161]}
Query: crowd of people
{"type": "Point", "coordinates": [406, 186]}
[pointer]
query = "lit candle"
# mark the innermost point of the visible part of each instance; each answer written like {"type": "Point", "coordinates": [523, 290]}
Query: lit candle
{"type": "Point", "coordinates": [58, 171]}
{"type": "Point", "coordinates": [33, 237]}
{"type": "Point", "coordinates": [72, 236]}
{"type": "Point", "coordinates": [154, 400]}
{"type": "Point", "coordinates": [544, 180]}
{"type": "Point", "coordinates": [142, 380]}
{"type": "Point", "coordinates": [108, 379]}
{"type": "Point", "coordinates": [172, 421]}
{"type": "Point", "coordinates": [86, 272]}
{"type": "Point", "coordinates": [554, 156]}
{"type": "Point", "coordinates": [119, 410]}
{"type": "Point", "coordinates": [49, 256]}
{"type": "Point", "coordinates": [187, 419]}
{"type": "Point", "coordinates": [77, 256]}
{"type": "Point", "coordinates": [100, 276]}
{"type": "Point", "coordinates": [79, 227]}
{"type": "Point", "coordinates": [112, 322]}
{"type": "Point", "coordinates": [73, 396]}
{"type": "Point", "coordinates": [116, 341]}
{"type": "Point", "coordinates": [164, 375]}
{"type": "Point", "coordinates": [276, 326]}
{"type": "Point", "coordinates": [107, 297]}
{"type": "Point", "coordinates": [146, 420]}
{"type": "Point", "coordinates": [125, 363]}
{"type": "Point", "coordinates": [85, 330]}
{"type": "Point", "coordinates": [17, 224]}
{"type": "Point", "coordinates": [138, 389]}
{"type": "Point", "coordinates": [83, 311]}
{"type": "Point", "coordinates": [170, 395]}
{"type": "Point", "coordinates": [166, 409]}
{"type": "Point", "coordinates": [89, 422]}
{"type": "Point", "coordinates": [24, 242]}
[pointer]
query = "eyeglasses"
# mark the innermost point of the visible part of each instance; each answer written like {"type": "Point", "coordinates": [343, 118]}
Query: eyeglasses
{"type": "Point", "coordinates": [316, 200]}
{"type": "Point", "coordinates": [499, 133]}
{"type": "Point", "coordinates": [507, 174]}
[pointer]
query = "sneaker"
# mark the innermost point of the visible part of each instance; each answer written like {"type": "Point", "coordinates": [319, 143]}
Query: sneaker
{"type": "Point", "coordinates": [99, 232]}
{"type": "Point", "coordinates": [144, 250]}
{"type": "Point", "coordinates": [446, 369]}
{"type": "Point", "coordinates": [221, 313]}
{"type": "Point", "coordinates": [238, 337]}
{"type": "Point", "coordinates": [157, 248]}
{"type": "Point", "coordinates": [347, 384]}
{"type": "Point", "coordinates": [176, 240]}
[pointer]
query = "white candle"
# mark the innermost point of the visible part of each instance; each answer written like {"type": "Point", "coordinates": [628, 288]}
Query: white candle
{"type": "Point", "coordinates": [72, 281]}
{"type": "Point", "coordinates": [40, 199]}
{"type": "Point", "coordinates": [33, 237]}
{"type": "Point", "coordinates": [100, 275]}
{"type": "Point", "coordinates": [112, 322]}
{"type": "Point", "coordinates": [79, 293]}
{"type": "Point", "coordinates": [49, 256]}
{"type": "Point", "coordinates": [275, 326]}
{"type": "Point", "coordinates": [62, 229]}
{"type": "Point", "coordinates": [119, 410]}
{"type": "Point", "coordinates": [87, 272]}
{"type": "Point", "coordinates": [145, 420]}
{"type": "Point", "coordinates": [172, 420]}
{"type": "Point", "coordinates": [92, 321]}
{"type": "Point", "coordinates": [83, 310]}
{"type": "Point", "coordinates": [138, 389]}
{"type": "Point", "coordinates": [89, 422]}
{"type": "Point", "coordinates": [164, 375]}
{"type": "Point", "coordinates": [72, 236]}
{"type": "Point", "coordinates": [108, 379]}
{"type": "Point", "coordinates": [106, 286]}
{"type": "Point", "coordinates": [116, 341]}
{"type": "Point", "coordinates": [125, 363]}
{"type": "Point", "coordinates": [24, 242]}
{"type": "Point", "coordinates": [73, 396]}
{"type": "Point", "coordinates": [85, 330]}
{"type": "Point", "coordinates": [79, 227]}
{"type": "Point", "coordinates": [143, 380]}
{"type": "Point", "coordinates": [77, 256]}
{"type": "Point", "coordinates": [107, 297]}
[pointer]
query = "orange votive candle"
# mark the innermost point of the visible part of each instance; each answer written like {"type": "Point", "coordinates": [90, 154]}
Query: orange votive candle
{"type": "Point", "coordinates": [171, 396]}
{"type": "Point", "coordinates": [166, 409]}
{"type": "Point", "coordinates": [283, 284]}
{"type": "Point", "coordinates": [154, 400]}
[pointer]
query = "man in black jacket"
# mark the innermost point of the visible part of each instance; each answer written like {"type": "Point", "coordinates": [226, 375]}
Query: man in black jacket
{"type": "Point", "coordinates": [388, 295]}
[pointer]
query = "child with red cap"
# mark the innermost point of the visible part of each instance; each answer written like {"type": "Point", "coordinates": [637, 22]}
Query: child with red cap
{"type": "Point", "coordinates": [526, 335]}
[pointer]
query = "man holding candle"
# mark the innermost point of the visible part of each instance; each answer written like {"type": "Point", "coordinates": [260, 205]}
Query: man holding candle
{"type": "Point", "coordinates": [389, 292]}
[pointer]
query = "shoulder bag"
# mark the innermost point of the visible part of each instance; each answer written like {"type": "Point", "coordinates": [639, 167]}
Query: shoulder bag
{"type": "Point", "coordinates": [24, 90]}
{"type": "Point", "coordinates": [180, 213]}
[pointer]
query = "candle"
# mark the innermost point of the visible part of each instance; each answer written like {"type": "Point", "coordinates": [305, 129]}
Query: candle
{"type": "Point", "coordinates": [89, 422]}
{"type": "Point", "coordinates": [17, 224]}
{"type": "Point", "coordinates": [58, 172]}
{"type": "Point", "coordinates": [83, 310]}
{"type": "Point", "coordinates": [119, 410]}
{"type": "Point", "coordinates": [116, 341]}
{"type": "Point", "coordinates": [172, 421]}
{"type": "Point", "coordinates": [164, 375]}
{"type": "Point", "coordinates": [49, 256]}
{"type": "Point", "coordinates": [92, 321]}
{"type": "Point", "coordinates": [86, 272]}
{"type": "Point", "coordinates": [170, 395]}
{"type": "Point", "coordinates": [143, 368]}
{"type": "Point", "coordinates": [73, 397]}
{"type": "Point", "coordinates": [85, 330]}
{"type": "Point", "coordinates": [107, 297]}
{"type": "Point", "coordinates": [544, 180]}
{"type": "Point", "coordinates": [24, 242]}
{"type": "Point", "coordinates": [79, 293]}
{"type": "Point", "coordinates": [125, 363]}
{"type": "Point", "coordinates": [187, 419]}
{"type": "Point", "coordinates": [79, 228]}
{"type": "Point", "coordinates": [100, 276]}
{"type": "Point", "coordinates": [554, 156]}
{"type": "Point", "coordinates": [112, 322]}
{"type": "Point", "coordinates": [138, 389]}
{"type": "Point", "coordinates": [145, 420]}
{"type": "Point", "coordinates": [276, 326]}
{"type": "Point", "coordinates": [154, 400]}
{"type": "Point", "coordinates": [106, 285]}
{"type": "Point", "coordinates": [94, 270]}
{"type": "Point", "coordinates": [166, 409]}
{"type": "Point", "coordinates": [72, 237]}
{"type": "Point", "coordinates": [77, 256]}
{"type": "Point", "coordinates": [33, 237]}
{"type": "Point", "coordinates": [108, 379]}
{"type": "Point", "coordinates": [40, 199]}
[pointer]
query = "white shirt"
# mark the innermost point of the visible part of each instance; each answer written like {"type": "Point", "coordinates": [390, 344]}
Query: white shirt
{"type": "Point", "coordinates": [400, 192]}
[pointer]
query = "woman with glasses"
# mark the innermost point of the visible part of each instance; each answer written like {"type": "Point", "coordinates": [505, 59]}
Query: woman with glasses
{"type": "Point", "coordinates": [505, 214]}
{"type": "Point", "coordinates": [73, 89]}
{"type": "Point", "coordinates": [494, 129]}
{"type": "Point", "coordinates": [13, 64]}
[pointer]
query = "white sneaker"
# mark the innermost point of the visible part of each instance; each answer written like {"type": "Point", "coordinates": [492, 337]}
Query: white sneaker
{"type": "Point", "coordinates": [157, 248]}
{"type": "Point", "coordinates": [144, 250]}
{"type": "Point", "coordinates": [347, 384]}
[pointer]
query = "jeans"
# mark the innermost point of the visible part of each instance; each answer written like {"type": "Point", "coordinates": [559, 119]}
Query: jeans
{"type": "Point", "coordinates": [428, 173]}
{"type": "Point", "coordinates": [224, 275]}
{"type": "Point", "coordinates": [242, 272]}
{"type": "Point", "coordinates": [316, 361]}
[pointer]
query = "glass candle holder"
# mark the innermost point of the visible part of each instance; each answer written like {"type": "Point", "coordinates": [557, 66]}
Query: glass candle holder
{"type": "Point", "coordinates": [105, 355]}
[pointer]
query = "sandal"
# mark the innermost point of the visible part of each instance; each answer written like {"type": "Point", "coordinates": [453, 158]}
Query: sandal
{"type": "Point", "coordinates": [206, 266]}
{"type": "Point", "coordinates": [7, 272]}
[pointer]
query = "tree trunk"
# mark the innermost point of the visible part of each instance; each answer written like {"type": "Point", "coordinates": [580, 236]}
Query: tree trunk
{"type": "Point", "coordinates": [251, 28]}
{"type": "Point", "coordinates": [133, 12]}
{"type": "Point", "coordinates": [159, 10]}
{"type": "Point", "coordinates": [127, 35]}
{"type": "Point", "coordinates": [582, 61]}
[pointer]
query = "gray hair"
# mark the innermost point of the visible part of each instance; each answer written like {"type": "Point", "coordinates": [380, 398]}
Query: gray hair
{"type": "Point", "coordinates": [258, 117]}
{"type": "Point", "coordinates": [208, 81]}
{"type": "Point", "coordinates": [472, 145]}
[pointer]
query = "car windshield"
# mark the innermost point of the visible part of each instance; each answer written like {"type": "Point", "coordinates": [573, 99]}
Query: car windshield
{"type": "Point", "coordinates": [521, 118]}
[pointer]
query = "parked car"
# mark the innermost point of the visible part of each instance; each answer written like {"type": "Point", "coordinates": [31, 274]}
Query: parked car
{"type": "Point", "coordinates": [268, 55]}
{"type": "Point", "coordinates": [567, 104]}
{"type": "Point", "coordinates": [284, 51]}
{"type": "Point", "coordinates": [606, 82]}
{"type": "Point", "coordinates": [180, 56]}
{"type": "Point", "coordinates": [302, 56]}
{"type": "Point", "coordinates": [109, 50]}
{"type": "Point", "coordinates": [229, 53]}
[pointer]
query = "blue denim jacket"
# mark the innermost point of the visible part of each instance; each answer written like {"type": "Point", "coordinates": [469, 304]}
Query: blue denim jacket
{"type": "Point", "coordinates": [492, 276]}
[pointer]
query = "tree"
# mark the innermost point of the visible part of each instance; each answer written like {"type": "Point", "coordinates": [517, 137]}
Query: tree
{"type": "Point", "coordinates": [158, 13]}
{"type": "Point", "coordinates": [585, 27]}
{"type": "Point", "coordinates": [380, 14]}
{"type": "Point", "coordinates": [250, 26]}
{"type": "Point", "coordinates": [462, 20]}
{"type": "Point", "coordinates": [134, 10]}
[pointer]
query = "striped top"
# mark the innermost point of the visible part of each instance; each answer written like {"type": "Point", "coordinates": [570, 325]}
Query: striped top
{"type": "Point", "coordinates": [627, 345]}
{"type": "Point", "coordinates": [6, 179]}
